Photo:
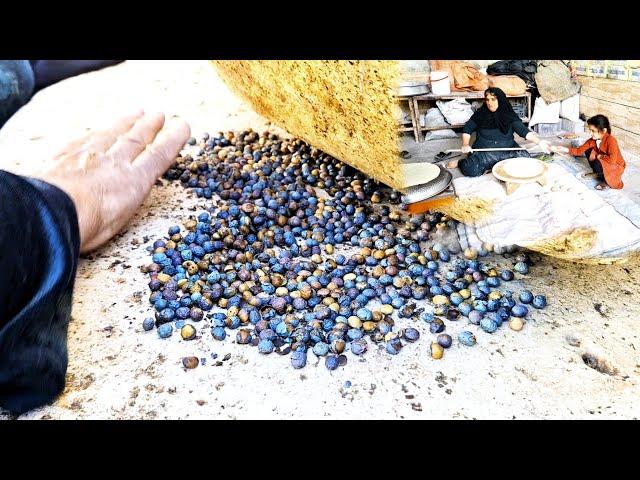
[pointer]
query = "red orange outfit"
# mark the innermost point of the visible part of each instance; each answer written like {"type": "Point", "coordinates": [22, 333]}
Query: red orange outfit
{"type": "Point", "coordinates": [611, 160]}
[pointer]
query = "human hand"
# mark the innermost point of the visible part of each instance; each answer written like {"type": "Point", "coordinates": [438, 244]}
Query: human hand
{"type": "Point", "coordinates": [466, 149]}
{"type": "Point", "coordinates": [544, 146]}
{"type": "Point", "coordinates": [109, 173]}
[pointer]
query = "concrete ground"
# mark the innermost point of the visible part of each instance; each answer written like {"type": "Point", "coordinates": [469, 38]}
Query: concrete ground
{"type": "Point", "coordinates": [117, 371]}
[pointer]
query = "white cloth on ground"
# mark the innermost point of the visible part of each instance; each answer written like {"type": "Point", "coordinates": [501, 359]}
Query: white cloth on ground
{"type": "Point", "coordinates": [533, 213]}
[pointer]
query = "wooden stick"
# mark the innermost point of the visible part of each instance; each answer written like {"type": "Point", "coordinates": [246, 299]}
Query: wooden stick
{"type": "Point", "coordinates": [487, 149]}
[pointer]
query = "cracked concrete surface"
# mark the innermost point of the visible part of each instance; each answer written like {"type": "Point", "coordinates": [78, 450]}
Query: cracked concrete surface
{"type": "Point", "coordinates": [118, 371]}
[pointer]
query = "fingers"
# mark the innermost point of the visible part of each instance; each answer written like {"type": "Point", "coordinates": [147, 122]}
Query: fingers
{"type": "Point", "coordinates": [133, 142]}
{"type": "Point", "coordinates": [544, 146]}
{"type": "Point", "coordinates": [100, 141]}
{"type": "Point", "coordinates": [159, 156]}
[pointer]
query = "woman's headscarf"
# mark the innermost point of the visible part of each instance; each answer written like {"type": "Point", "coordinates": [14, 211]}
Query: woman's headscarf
{"type": "Point", "coordinates": [501, 118]}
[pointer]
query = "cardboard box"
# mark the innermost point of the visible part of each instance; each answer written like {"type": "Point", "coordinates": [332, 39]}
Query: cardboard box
{"type": "Point", "coordinates": [617, 70]}
{"type": "Point", "coordinates": [598, 68]}
{"type": "Point", "coordinates": [572, 126]}
{"type": "Point", "coordinates": [582, 67]}
{"type": "Point", "coordinates": [545, 129]}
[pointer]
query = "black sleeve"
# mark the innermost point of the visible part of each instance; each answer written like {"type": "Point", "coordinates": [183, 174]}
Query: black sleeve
{"type": "Point", "coordinates": [48, 72]}
{"type": "Point", "coordinates": [520, 128]}
{"type": "Point", "coordinates": [469, 127]}
{"type": "Point", "coordinates": [39, 248]}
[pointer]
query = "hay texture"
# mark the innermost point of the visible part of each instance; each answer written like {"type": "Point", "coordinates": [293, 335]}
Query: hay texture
{"type": "Point", "coordinates": [465, 209]}
{"type": "Point", "coordinates": [345, 108]}
{"type": "Point", "coordinates": [570, 246]}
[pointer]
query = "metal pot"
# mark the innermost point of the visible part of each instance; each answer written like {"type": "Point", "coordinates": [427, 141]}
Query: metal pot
{"type": "Point", "coordinates": [419, 193]}
{"type": "Point", "coordinates": [410, 89]}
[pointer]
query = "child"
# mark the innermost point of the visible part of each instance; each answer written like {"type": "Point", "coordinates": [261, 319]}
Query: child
{"type": "Point", "coordinates": [602, 152]}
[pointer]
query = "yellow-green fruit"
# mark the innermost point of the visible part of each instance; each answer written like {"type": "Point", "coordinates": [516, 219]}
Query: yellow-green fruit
{"type": "Point", "coordinates": [390, 336]}
{"type": "Point", "coordinates": [495, 295]}
{"type": "Point", "coordinates": [516, 324]}
{"type": "Point", "coordinates": [440, 300]}
{"type": "Point", "coordinates": [436, 351]}
{"type": "Point", "coordinates": [369, 326]}
{"type": "Point", "coordinates": [386, 309]}
{"type": "Point", "coordinates": [354, 322]}
{"type": "Point", "coordinates": [188, 332]}
{"type": "Point", "coordinates": [164, 278]}
{"type": "Point", "coordinates": [470, 253]}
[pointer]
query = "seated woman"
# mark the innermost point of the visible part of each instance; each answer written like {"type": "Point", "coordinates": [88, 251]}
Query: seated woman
{"type": "Point", "coordinates": [602, 152]}
{"type": "Point", "coordinates": [494, 124]}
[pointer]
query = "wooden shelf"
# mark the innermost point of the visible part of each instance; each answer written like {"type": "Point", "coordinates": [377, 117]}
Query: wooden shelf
{"type": "Point", "coordinates": [460, 125]}
{"type": "Point", "coordinates": [413, 109]}
{"type": "Point", "coordinates": [454, 95]}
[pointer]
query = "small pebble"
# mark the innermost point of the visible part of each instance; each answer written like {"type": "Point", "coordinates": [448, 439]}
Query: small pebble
{"type": "Point", "coordinates": [358, 347]}
{"type": "Point", "coordinates": [148, 324]}
{"type": "Point", "coordinates": [298, 359]}
{"type": "Point", "coordinates": [190, 362]}
{"type": "Point", "coordinates": [331, 362]}
{"type": "Point", "coordinates": [219, 333]}
{"type": "Point", "coordinates": [265, 346]}
{"type": "Point", "coordinates": [444, 340]}
{"type": "Point", "coordinates": [539, 301]}
{"type": "Point", "coordinates": [436, 326]}
{"type": "Point", "coordinates": [521, 267]}
{"type": "Point", "coordinates": [519, 311]}
{"type": "Point", "coordinates": [394, 346]}
{"type": "Point", "coordinates": [526, 296]}
{"type": "Point", "coordinates": [467, 338]}
{"type": "Point", "coordinates": [165, 330]}
{"type": "Point", "coordinates": [411, 334]}
{"type": "Point", "coordinates": [488, 325]}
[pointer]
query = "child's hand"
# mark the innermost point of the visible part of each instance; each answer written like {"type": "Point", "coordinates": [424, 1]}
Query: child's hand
{"type": "Point", "coordinates": [544, 146]}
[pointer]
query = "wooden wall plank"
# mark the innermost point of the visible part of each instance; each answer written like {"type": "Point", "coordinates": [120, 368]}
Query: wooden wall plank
{"type": "Point", "coordinates": [629, 142]}
{"type": "Point", "coordinates": [618, 91]}
{"type": "Point", "coordinates": [619, 100]}
{"type": "Point", "coordinates": [619, 115]}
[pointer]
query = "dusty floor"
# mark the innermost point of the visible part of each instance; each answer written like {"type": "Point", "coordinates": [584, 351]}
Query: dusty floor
{"type": "Point", "coordinates": [117, 371]}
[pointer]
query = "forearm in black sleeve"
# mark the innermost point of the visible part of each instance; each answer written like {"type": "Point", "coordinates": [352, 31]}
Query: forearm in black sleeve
{"type": "Point", "coordinates": [469, 127]}
{"type": "Point", "coordinates": [521, 129]}
{"type": "Point", "coordinates": [39, 248]}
